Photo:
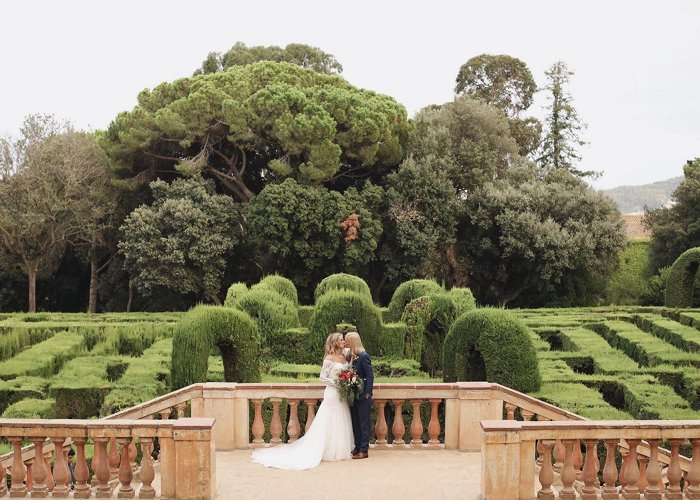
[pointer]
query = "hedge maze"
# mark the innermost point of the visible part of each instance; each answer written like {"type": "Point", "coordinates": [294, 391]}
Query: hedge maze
{"type": "Point", "coordinates": [602, 363]}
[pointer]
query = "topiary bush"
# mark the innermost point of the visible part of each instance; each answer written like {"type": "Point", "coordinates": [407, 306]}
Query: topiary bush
{"type": "Point", "coordinates": [491, 345]}
{"type": "Point", "coordinates": [428, 319]}
{"type": "Point", "coordinates": [343, 306]}
{"type": "Point", "coordinates": [281, 285]}
{"type": "Point", "coordinates": [289, 345]}
{"type": "Point", "coordinates": [271, 311]}
{"type": "Point", "coordinates": [408, 291]}
{"type": "Point", "coordinates": [342, 281]}
{"type": "Point", "coordinates": [392, 340]}
{"type": "Point", "coordinates": [235, 291]}
{"type": "Point", "coordinates": [31, 408]}
{"type": "Point", "coordinates": [629, 282]}
{"type": "Point", "coordinates": [681, 278]}
{"type": "Point", "coordinates": [232, 330]}
{"type": "Point", "coordinates": [463, 299]}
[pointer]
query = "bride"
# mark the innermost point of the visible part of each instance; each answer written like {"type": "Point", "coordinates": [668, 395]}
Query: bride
{"type": "Point", "coordinates": [330, 436]}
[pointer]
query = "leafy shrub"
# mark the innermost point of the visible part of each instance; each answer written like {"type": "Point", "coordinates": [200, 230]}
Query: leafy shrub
{"type": "Point", "coordinates": [342, 306]}
{"type": "Point", "coordinates": [396, 368]}
{"type": "Point", "coordinates": [463, 299]}
{"type": "Point", "coordinates": [116, 368]}
{"type": "Point", "coordinates": [235, 291]}
{"type": "Point", "coordinates": [14, 340]}
{"type": "Point", "coordinates": [45, 358]}
{"type": "Point", "coordinates": [281, 285]}
{"type": "Point", "coordinates": [81, 386]}
{"type": "Point", "coordinates": [681, 278]}
{"type": "Point", "coordinates": [408, 291]}
{"type": "Point", "coordinates": [305, 313]}
{"type": "Point", "coordinates": [655, 292]}
{"type": "Point", "coordinates": [632, 277]}
{"type": "Point", "coordinates": [31, 408]}
{"type": "Point", "coordinates": [271, 311]}
{"type": "Point", "coordinates": [492, 345]}
{"type": "Point", "coordinates": [392, 340]}
{"type": "Point", "coordinates": [21, 388]}
{"type": "Point", "coordinates": [232, 330]}
{"type": "Point", "coordinates": [289, 345]}
{"type": "Point", "coordinates": [342, 281]}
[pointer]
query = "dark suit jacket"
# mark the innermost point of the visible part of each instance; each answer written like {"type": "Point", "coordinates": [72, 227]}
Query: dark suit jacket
{"type": "Point", "coordinates": [363, 367]}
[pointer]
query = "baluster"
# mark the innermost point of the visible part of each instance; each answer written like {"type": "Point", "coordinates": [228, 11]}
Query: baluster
{"type": "Point", "coordinates": [30, 476]}
{"type": "Point", "coordinates": [381, 429]}
{"type": "Point", "coordinates": [66, 468]}
{"type": "Point", "coordinates": [82, 489]}
{"type": "Point", "coordinates": [126, 475]}
{"type": "Point", "coordinates": [653, 492]}
{"type": "Point", "coordinates": [540, 450]}
{"type": "Point", "coordinates": [39, 489]}
{"type": "Point", "coordinates": [546, 471]}
{"type": "Point", "coordinates": [49, 475]}
{"type": "Point", "coordinates": [434, 424]}
{"type": "Point", "coordinates": [578, 460]}
{"type": "Point", "coordinates": [310, 413]}
{"type": "Point", "coordinates": [165, 414]}
{"type": "Point", "coordinates": [101, 468]}
{"type": "Point", "coordinates": [275, 424]}
{"type": "Point", "coordinates": [643, 482]}
{"type": "Point", "coordinates": [510, 411]}
{"type": "Point", "coordinates": [398, 429]}
{"type": "Point", "coordinates": [293, 428]}
{"type": "Point", "coordinates": [59, 469]}
{"type": "Point", "coordinates": [180, 408]}
{"type": "Point", "coordinates": [559, 453]}
{"type": "Point", "coordinates": [3, 480]}
{"type": "Point", "coordinates": [416, 424]}
{"type": "Point", "coordinates": [113, 458]}
{"type": "Point", "coordinates": [132, 456]}
{"type": "Point", "coordinates": [673, 474]}
{"type": "Point", "coordinates": [610, 471]}
{"type": "Point", "coordinates": [568, 474]}
{"type": "Point", "coordinates": [623, 480]}
{"type": "Point", "coordinates": [590, 471]}
{"type": "Point", "coordinates": [258, 426]}
{"type": "Point", "coordinates": [19, 470]}
{"type": "Point", "coordinates": [631, 490]}
{"type": "Point", "coordinates": [526, 414]}
{"type": "Point", "coordinates": [147, 473]}
{"type": "Point", "coordinates": [693, 489]}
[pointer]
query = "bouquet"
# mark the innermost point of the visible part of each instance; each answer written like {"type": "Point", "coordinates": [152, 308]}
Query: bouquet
{"type": "Point", "coordinates": [349, 385]}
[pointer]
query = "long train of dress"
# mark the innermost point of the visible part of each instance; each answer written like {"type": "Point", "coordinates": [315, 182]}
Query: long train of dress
{"type": "Point", "coordinates": [329, 438]}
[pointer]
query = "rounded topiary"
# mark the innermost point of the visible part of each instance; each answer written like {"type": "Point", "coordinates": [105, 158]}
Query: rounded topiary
{"type": "Point", "coordinates": [491, 345]}
{"type": "Point", "coordinates": [463, 299]}
{"type": "Point", "coordinates": [679, 287]}
{"type": "Point", "coordinates": [232, 330]}
{"type": "Point", "coordinates": [235, 291]}
{"type": "Point", "coordinates": [272, 311]}
{"type": "Point", "coordinates": [428, 319]}
{"type": "Point", "coordinates": [342, 281]}
{"type": "Point", "coordinates": [343, 306]}
{"type": "Point", "coordinates": [408, 291]}
{"type": "Point", "coordinates": [281, 285]}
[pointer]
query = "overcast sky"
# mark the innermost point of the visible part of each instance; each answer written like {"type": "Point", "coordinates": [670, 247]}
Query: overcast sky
{"type": "Point", "coordinates": [636, 63]}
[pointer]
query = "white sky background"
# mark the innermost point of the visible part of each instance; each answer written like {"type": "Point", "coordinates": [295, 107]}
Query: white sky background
{"type": "Point", "coordinates": [637, 63]}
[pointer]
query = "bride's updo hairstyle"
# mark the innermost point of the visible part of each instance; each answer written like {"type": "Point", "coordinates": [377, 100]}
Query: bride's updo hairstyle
{"type": "Point", "coordinates": [333, 342]}
{"type": "Point", "coordinates": [354, 342]}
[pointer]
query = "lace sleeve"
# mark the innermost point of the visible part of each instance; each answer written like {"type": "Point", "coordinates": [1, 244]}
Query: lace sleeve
{"type": "Point", "coordinates": [326, 370]}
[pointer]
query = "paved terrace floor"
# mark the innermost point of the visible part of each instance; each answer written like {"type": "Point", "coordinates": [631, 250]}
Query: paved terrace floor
{"type": "Point", "coordinates": [387, 474]}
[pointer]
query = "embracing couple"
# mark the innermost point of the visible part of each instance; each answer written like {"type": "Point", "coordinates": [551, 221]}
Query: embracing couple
{"type": "Point", "coordinates": [340, 431]}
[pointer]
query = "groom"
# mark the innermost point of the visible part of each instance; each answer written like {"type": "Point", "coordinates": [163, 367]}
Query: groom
{"type": "Point", "coordinates": [359, 411]}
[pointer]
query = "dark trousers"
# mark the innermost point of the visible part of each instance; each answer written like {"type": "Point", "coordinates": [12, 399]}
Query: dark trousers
{"type": "Point", "coordinates": [359, 412]}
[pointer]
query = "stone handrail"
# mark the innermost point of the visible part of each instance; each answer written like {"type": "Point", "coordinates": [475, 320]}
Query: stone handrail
{"type": "Point", "coordinates": [179, 441]}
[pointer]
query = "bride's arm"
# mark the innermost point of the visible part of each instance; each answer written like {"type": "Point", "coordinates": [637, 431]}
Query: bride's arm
{"type": "Point", "coordinates": [325, 375]}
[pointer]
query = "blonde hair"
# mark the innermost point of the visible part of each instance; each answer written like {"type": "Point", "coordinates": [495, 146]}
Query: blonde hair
{"type": "Point", "coordinates": [333, 343]}
{"type": "Point", "coordinates": [354, 342]}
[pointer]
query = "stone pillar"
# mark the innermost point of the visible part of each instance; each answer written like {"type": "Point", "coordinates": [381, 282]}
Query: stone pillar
{"type": "Point", "coordinates": [219, 404]}
{"type": "Point", "coordinates": [195, 458]}
{"type": "Point", "coordinates": [476, 403]}
{"type": "Point", "coordinates": [501, 462]}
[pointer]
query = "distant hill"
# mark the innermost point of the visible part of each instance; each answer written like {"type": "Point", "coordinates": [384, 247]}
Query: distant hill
{"type": "Point", "coordinates": [632, 199]}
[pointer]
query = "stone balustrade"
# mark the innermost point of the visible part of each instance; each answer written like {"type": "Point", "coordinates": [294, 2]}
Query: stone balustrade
{"type": "Point", "coordinates": [185, 453]}
{"type": "Point", "coordinates": [509, 468]}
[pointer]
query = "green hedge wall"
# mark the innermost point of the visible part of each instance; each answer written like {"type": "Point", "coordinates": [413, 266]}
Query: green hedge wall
{"type": "Point", "coordinates": [463, 299]}
{"type": "Point", "coordinates": [232, 330]}
{"type": "Point", "coordinates": [271, 311]}
{"type": "Point", "coordinates": [681, 277]}
{"type": "Point", "coordinates": [289, 345]}
{"type": "Point", "coordinates": [408, 291]}
{"type": "Point", "coordinates": [235, 291]}
{"type": "Point", "coordinates": [630, 281]}
{"type": "Point", "coordinates": [281, 285]}
{"type": "Point", "coordinates": [31, 408]}
{"type": "Point", "coordinates": [342, 306]}
{"type": "Point", "coordinates": [342, 281]}
{"type": "Point", "coordinates": [392, 340]}
{"type": "Point", "coordinates": [17, 389]}
{"type": "Point", "coordinates": [491, 345]}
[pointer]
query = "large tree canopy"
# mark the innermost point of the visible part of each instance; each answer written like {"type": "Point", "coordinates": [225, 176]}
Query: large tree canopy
{"type": "Point", "coordinates": [295, 53]}
{"type": "Point", "coordinates": [250, 124]}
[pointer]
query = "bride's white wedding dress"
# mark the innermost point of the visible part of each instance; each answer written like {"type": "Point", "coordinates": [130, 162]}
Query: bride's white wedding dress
{"type": "Point", "coordinates": [329, 438]}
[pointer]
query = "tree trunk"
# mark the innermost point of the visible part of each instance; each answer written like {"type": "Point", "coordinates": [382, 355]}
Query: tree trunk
{"type": "Point", "coordinates": [131, 296]}
{"type": "Point", "coordinates": [31, 275]}
{"type": "Point", "coordinates": [215, 300]}
{"type": "Point", "coordinates": [92, 300]}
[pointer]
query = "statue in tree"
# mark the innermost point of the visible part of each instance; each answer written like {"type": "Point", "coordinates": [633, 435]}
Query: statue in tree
{"type": "Point", "coordinates": [351, 225]}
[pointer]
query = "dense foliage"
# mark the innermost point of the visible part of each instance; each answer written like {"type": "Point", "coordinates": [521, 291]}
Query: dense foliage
{"type": "Point", "coordinates": [408, 291]}
{"type": "Point", "coordinates": [631, 281]}
{"type": "Point", "coordinates": [342, 281]}
{"type": "Point", "coordinates": [681, 279]}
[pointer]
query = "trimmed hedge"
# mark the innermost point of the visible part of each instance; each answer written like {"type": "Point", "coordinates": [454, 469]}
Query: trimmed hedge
{"type": "Point", "coordinates": [342, 306]}
{"type": "Point", "coordinates": [428, 319]}
{"type": "Point", "coordinates": [272, 311]}
{"type": "Point", "coordinates": [234, 292]}
{"type": "Point", "coordinates": [392, 340]}
{"type": "Point", "coordinates": [491, 345]}
{"type": "Point", "coordinates": [279, 284]}
{"type": "Point", "coordinates": [681, 277]}
{"type": "Point", "coordinates": [21, 388]}
{"type": "Point", "coordinates": [463, 299]}
{"type": "Point", "coordinates": [31, 408]}
{"type": "Point", "coordinates": [631, 280]}
{"type": "Point", "coordinates": [232, 330]}
{"type": "Point", "coordinates": [45, 358]}
{"type": "Point", "coordinates": [305, 313]}
{"type": "Point", "coordinates": [342, 281]}
{"type": "Point", "coordinates": [408, 291]}
{"type": "Point", "coordinates": [81, 387]}
{"type": "Point", "coordinates": [289, 345]}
